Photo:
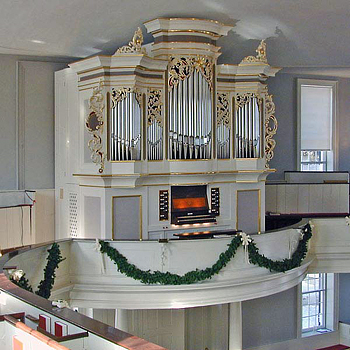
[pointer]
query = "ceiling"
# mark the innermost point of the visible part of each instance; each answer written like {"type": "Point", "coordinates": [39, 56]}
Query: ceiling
{"type": "Point", "coordinates": [299, 33]}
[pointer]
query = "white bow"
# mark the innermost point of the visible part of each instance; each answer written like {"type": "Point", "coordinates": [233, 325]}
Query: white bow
{"type": "Point", "coordinates": [245, 242]}
{"type": "Point", "coordinates": [301, 233]}
{"type": "Point", "coordinates": [97, 249]}
{"type": "Point", "coordinates": [347, 220]}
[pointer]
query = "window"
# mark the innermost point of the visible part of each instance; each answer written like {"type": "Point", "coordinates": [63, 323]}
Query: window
{"type": "Point", "coordinates": [318, 303]}
{"type": "Point", "coordinates": [314, 302]}
{"type": "Point", "coordinates": [316, 125]}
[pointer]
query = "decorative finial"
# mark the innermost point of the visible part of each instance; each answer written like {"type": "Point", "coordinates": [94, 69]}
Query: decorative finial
{"type": "Point", "coordinates": [135, 45]}
{"type": "Point", "coordinates": [260, 57]}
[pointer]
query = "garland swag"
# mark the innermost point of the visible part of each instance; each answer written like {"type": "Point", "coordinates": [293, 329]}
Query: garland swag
{"type": "Point", "coordinates": [167, 278]}
{"type": "Point", "coordinates": [45, 286]}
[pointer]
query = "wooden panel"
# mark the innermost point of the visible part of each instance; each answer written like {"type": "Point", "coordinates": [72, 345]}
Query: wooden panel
{"type": "Point", "coordinates": [303, 199]}
{"type": "Point", "coordinates": [330, 194]}
{"type": "Point", "coordinates": [122, 208]}
{"type": "Point", "coordinates": [291, 199]}
{"type": "Point", "coordinates": [248, 220]}
{"type": "Point", "coordinates": [343, 198]}
{"type": "Point", "coordinates": [281, 199]}
{"type": "Point", "coordinates": [315, 199]}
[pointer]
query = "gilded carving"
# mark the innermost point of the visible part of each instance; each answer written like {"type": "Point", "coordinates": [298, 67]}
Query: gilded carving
{"type": "Point", "coordinates": [135, 45]}
{"type": "Point", "coordinates": [182, 67]}
{"type": "Point", "coordinates": [121, 94]}
{"type": "Point", "coordinates": [94, 124]}
{"type": "Point", "coordinates": [223, 109]}
{"type": "Point", "coordinates": [243, 99]}
{"type": "Point", "coordinates": [271, 126]}
{"type": "Point", "coordinates": [154, 107]}
{"type": "Point", "coordinates": [260, 55]}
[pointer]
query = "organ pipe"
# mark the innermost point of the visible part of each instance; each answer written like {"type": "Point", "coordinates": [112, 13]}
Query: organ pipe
{"type": "Point", "coordinates": [247, 126]}
{"type": "Point", "coordinates": [125, 126]}
{"type": "Point", "coordinates": [190, 118]}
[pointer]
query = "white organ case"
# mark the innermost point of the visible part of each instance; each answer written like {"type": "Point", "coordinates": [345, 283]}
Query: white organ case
{"type": "Point", "coordinates": [132, 126]}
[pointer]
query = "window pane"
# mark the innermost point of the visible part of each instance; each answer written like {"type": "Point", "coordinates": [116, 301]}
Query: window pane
{"type": "Point", "coordinates": [316, 117]}
{"type": "Point", "coordinates": [313, 297]}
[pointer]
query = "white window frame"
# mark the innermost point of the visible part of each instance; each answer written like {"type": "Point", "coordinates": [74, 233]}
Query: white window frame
{"type": "Point", "coordinates": [334, 85]}
{"type": "Point", "coordinates": [332, 306]}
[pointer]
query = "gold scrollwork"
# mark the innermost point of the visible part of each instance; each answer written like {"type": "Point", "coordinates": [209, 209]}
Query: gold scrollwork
{"type": "Point", "coordinates": [121, 94]}
{"type": "Point", "coordinates": [182, 67]}
{"type": "Point", "coordinates": [270, 131]}
{"type": "Point", "coordinates": [135, 45]}
{"type": "Point", "coordinates": [154, 107]}
{"type": "Point", "coordinates": [260, 55]}
{"type": "Point", "coordinates": [223, 109]}
{"type": "Point", "coordinates": [94, 124]}
{"type": "Point", "coordinates": [242, 100]}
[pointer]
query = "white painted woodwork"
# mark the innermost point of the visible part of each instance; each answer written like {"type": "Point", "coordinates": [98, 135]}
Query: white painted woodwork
{"type": "Point", "coordinates": [80, 277]}
{"type": "Point", "coordinates": [10, 304]}
{"type": "Point", "coordinates": [105, 315]}
{"type": "Point", "coordinates": [22, 225]}
{"type": "Point", "coordinates": [330, 246]}
{"type": "Point", "coordinates": [235, 326]}
{"type": "Point", "coordinates": [162, 327]}
{"type": "Point", "coordinates": [296, 198]}
{"type": "Point", "coordinates": [121, 320]}
{"type": "Point", "coordinates": [207, 327]}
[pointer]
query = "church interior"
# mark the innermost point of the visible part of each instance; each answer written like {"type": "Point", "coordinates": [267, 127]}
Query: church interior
{"type": "Point", "coordinates": [175, 175]}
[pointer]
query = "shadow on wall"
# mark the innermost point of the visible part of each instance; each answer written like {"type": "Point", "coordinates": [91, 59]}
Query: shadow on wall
{"type": "Point", "coordinates": [281, 51]}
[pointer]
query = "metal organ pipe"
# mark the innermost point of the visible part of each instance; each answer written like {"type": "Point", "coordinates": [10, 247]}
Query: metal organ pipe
{"type": "Point", "coordinates": [125, 129]}
{"type": "Point", "coordinates": [190, 118]}
{"type": "Point", "coordinates": [247, 129]}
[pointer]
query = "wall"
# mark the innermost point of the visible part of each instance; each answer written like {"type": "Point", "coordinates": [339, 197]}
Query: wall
{"type": "Point", "coordinates": [344, 297]}
{"type": "Point", "coordinates": [270, 320]}
{"type": "Point", "coordinates": [37, 128]}
{"type": "Point", "coordinates": [284, 90]}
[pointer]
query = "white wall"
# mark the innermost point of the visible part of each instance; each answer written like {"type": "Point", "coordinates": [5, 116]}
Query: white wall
{"type": "Point", "coordinates": [37, 105]}
{"type": "Point", "coordinates": [270, 320]}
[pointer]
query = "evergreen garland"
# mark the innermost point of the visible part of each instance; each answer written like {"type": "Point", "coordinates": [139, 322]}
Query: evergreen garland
{"type": "Point", "coordinates": [23, 282]}
{"type": "Point", "coordinates": [195, 276]}
{"type": "Point", "coordinates": [45, 285]}
{"type": "Point", "coordinates": [53, 260]}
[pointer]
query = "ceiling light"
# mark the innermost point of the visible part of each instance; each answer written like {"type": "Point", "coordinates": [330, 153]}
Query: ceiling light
{"type": "Point", "coordinates": [38, 41]}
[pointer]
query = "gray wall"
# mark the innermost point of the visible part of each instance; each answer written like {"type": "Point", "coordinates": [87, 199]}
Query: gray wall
{"type": "Point", "coordinates": [344, 297]}
{"type": "Point", "coordinates": [8, 129]}
{"type": "Point", "coordinates": [270, 320]}
{"type": "Point", "coordinates": [283, 87]}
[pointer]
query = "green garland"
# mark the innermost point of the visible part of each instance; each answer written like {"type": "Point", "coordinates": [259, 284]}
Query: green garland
{"type": "Point", "coordinates": [167, 278]}
{"type": "Point", "coordinates": [45, 286]}
{"type": "Point", "coordinates": [23, 282]}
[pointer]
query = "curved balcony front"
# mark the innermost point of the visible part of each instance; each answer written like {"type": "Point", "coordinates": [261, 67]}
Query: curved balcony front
{"type": "Point", "coordinates": [88, 278]}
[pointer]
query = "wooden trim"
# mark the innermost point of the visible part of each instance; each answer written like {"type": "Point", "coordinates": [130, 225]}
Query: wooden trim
{"type": "Point", "coordinates": [64, 338]}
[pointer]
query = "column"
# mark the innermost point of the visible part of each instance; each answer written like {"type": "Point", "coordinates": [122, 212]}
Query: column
{"type": "Point", "coordinates": [235, 326]}
{"type": "Point", "coordinates": [121, 319]}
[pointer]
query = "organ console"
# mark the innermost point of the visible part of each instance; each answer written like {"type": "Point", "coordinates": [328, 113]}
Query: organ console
{"type": "Point", "coordinates": [166, 114]}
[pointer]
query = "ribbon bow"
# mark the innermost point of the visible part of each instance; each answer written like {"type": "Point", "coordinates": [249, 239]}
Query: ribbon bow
{"type": "Point", "coordinates": [347, 220]}
{"type": "Point", "coordinates": [245, 242]}
{"type": "Point", "coordinates": [97, 249]}
{"type": "Point", "coordinates": [301, 233]}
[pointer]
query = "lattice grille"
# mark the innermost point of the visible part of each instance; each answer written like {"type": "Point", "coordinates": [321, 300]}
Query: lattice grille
{"type": "Point", "coordinates": [73, 214]}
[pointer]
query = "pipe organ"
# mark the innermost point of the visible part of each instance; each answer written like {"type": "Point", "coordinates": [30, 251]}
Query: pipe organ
{"type": "Point", "coordinates": [190, 107]}
{"type": "Point", "coordinates": [125, 121]}
{"type": "Point", "coordinates": [247, 126]}
{"type": "Point", "coordinates": [161, 115]}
